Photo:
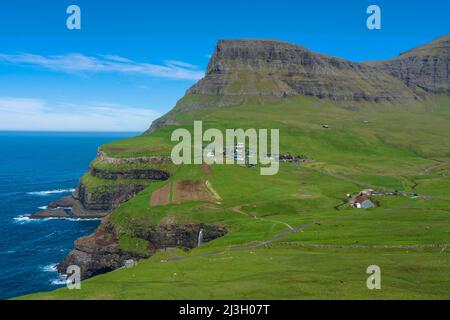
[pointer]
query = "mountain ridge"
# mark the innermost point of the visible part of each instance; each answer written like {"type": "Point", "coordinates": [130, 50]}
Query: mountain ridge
{"type": "Point", "coordinates": [277, 69]}
{"type": "Point", "coordinates": [283, 69]}
{"type": "Point", "coordinates": [426, 66]}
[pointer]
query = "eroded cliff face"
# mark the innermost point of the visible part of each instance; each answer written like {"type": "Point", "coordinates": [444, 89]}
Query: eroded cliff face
{"type": "Point", "coordinates": [277, 69]}
{"type": "Point", "coordinates": [426, 67]}
{"type": "Point", "coordinates": [115, 186]}
{"type": "Point", "coordinates": [97, 253]}
{"type": "Point", "coordinates": [180, 235]}
{"type": "Point", "coordinates": [91, 203]}
{"type": "Point", "coordinates": [280, 69]}
{"type": "Point", "coordinates": [138, 174]}
{"type": "Point", "coordinates": [100, 252]}
{"type": "Point", "coordinates": [102, 200]}
{"type": "Point", "coordinates": [106, 197]}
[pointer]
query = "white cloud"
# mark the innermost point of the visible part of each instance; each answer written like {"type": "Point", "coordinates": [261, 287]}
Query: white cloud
{"type": "Point", "coordinates": [175, 63]}
{"type": "Point", "coordinates": [36, 114]}
{"type": "Point", "coordinates": [20, 105]}
{"type": "Point", "coordinates": [73, 63]}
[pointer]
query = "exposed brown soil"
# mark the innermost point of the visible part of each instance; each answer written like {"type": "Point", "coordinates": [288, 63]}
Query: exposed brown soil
{"type": "Point", "coordinates": [182, 190]}
{"type": "Point", "coordinates": [160, 197]}
{"type": "Point", "coordinates": [185, 190]}
{"type": "Point", "coordinates": [206, 168]}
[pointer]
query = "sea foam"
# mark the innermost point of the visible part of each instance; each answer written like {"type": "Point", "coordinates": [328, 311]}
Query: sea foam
{"type": "Point", "coordinates": [49, 268]}
{"type": "Point", "coordinates": [27, 219]}
{"type": "Point", "coordinates": [59, 280]}
{"type": "Point", "coordinates": [47, 192]}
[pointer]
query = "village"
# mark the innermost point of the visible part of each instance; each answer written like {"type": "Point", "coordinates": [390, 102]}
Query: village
{"type": "Point", "coordinates": [244, 156]}
{"type": "Point", "coordinates": [367, 198]}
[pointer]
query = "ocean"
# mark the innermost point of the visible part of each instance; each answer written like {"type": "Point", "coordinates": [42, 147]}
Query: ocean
{"type": "Point", "coordinates": [35, 169]}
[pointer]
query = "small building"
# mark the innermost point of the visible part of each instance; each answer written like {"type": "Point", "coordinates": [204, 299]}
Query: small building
{"type": "Point", "coordinates": [367, 192]}
{"type": "Point", "coordinates": [361, 202]}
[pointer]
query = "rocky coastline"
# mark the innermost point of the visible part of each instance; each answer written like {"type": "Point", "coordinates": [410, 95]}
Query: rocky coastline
{"type": "Point", "coordinates": [100, 252]}
{"type": "Point", "coordinates": [87, 203]}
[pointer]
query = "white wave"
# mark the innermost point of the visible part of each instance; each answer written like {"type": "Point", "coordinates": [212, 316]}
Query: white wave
{"type": "Point", "coordinates": [22, 218]}
{"type": "Point", "coordinates": [58, 282]}
{"type": "Point", "coordinates": [61, 280]}
{"type": "Point", "coordinates": [27, 219]}
{"type": "Point", "coordinates": [73, 219]}
{"type": "Point", "coordinates": [49, 268]}
{"type": "Point", "coordinates": [47, 192]}
{"type": "Point", "coordinates": [46, 207]}
{"type": "Point", "coordinates": [78, 219]}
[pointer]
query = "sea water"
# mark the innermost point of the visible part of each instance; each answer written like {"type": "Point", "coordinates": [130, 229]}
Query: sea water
{"type": "Point", "coordinates": [35, 169]}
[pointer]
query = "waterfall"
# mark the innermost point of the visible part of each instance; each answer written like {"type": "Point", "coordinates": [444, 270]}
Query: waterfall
{"type": "Point", "coordinates": [200, 238]}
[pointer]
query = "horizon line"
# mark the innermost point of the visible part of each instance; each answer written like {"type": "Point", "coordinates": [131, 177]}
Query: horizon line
{"type": "Point", "coordinates": [72, 131]}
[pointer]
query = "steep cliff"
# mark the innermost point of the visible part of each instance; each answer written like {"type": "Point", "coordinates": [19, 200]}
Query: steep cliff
{"type": "Point", "coordinates": [280, 69]}
{"type": "Point", "coordinates": [109, 183]}
{"type": "Point", "coordinates": [102, 252]}
{"type": "Point", "coordinates": [272, 69]}
{"type": "Point", "coordinates": [100, 200]}
{"type": "Point", "coordinates": [97, 253]}
{"type": "Point", "coordinates": [425, 67]}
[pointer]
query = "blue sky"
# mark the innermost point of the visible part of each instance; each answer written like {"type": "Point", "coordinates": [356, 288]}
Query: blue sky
{"type": "Point", "coordinates": [132, 60]}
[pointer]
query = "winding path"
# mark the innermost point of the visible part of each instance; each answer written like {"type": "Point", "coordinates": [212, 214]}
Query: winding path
{"type": "Point", "coordinates": [238, 210]}
{"type": "Point", "coordinates": [435, 166]}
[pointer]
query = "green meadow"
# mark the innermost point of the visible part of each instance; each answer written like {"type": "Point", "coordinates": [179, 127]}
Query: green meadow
{"type": "Point", "coordinates": [292, 235]}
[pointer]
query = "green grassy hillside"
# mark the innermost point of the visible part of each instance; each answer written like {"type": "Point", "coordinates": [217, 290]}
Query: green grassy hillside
{"type": "Point", "coordinates": [291, 235]}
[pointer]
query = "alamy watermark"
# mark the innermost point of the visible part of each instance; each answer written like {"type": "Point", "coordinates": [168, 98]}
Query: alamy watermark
{"type": "Point", "coordinates": [73, 22]}
{"type": "Point", "coordinates": [374, 280]}
{"type": "Point", "coordinates": [73, 280]}
{"type": "Point", "coordinates": [234, 149]}
{"type": "Point", "coordinates": [374, 20]}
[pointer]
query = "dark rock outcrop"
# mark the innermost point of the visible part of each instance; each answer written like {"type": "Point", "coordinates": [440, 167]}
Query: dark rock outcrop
{"type": "Point", "coordinates": [104, 198]}
{"type": "Point", "coordinates": [135, 160]}
{"type": "Point", "coordinates": [100, 253]}
{"type": "Point", "coordinates": [138, 174]}
{"type": "Point", "coordinates": [50, 213]}
{"type": "Point", "coordinates": [96, 254]}
{"type": "Point", "coordinates": [64, 202]}
{"type": "Point", "coordinates": [180, 235]}
{"type": "Point", "coordinates": [79, 211]}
